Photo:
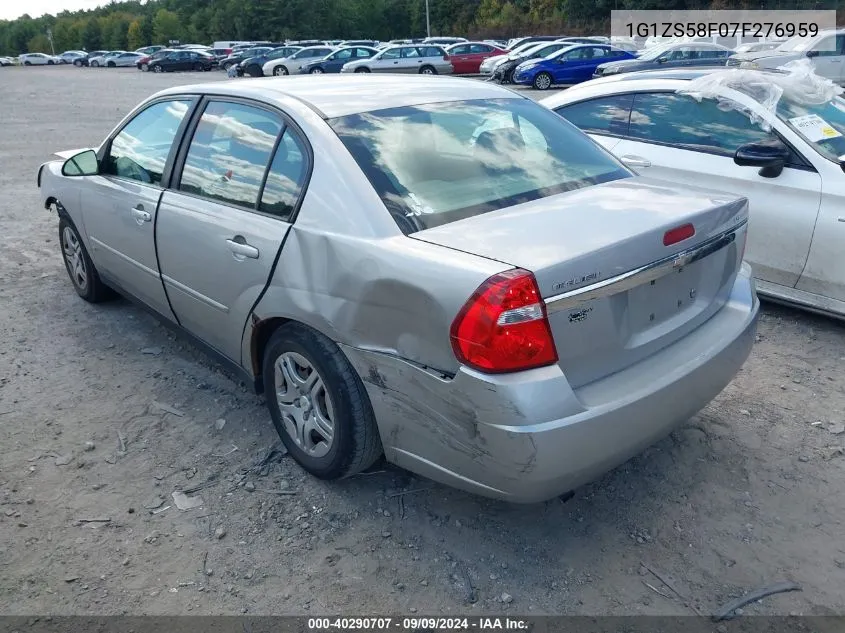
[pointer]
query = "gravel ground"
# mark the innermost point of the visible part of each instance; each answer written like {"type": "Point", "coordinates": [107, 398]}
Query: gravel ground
{"type": "Point", "coordinates": [104, 413]}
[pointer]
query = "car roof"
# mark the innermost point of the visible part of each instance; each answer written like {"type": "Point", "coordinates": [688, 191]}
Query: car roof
{"type": "Point", "coordinates": [340, 95]}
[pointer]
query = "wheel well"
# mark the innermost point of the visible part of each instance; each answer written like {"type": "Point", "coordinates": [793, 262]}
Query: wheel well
{"type": "Point", "coordinates": [261, 333]}
{"type": "Point", "coordinates": [50, 202]}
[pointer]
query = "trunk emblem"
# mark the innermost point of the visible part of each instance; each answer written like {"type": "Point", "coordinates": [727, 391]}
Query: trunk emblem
{"type": "Point", "coordinates": [577, 281]}
{"type": "Point", "coordinates": [580, 315]}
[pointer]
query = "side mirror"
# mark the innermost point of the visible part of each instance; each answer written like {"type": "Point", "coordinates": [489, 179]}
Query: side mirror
{"type": "Point", "coordinates": [662, 60]}
{"type": "Point", "coordinates": [769, 156]}
{"type": "Point", "coordinates": [812, 53]}
{"type": "Point", "coordinates": [82, 164]}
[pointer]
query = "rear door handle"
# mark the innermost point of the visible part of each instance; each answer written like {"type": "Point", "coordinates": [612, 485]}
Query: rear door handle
{"type": "Point", "coordinates": [141, 216]}
{"type": "Point", "coordinates": [238, 246]}
{"type": "Point", "coordinates": [636, 161]}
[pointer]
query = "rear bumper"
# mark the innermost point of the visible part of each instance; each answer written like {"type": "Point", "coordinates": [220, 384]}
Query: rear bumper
{"type": "Point", "coordinates": [528, 437]}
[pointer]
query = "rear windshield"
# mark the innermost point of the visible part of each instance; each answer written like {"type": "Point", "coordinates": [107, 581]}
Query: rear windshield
{"type": "Point", "coordinates": [437, 163]}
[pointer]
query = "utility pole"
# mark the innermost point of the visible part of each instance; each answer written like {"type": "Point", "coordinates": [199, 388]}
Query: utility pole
{"type": "Point", "coordinates": [50, 37]}
{"type": "Point", "coordinates": [427, 21]}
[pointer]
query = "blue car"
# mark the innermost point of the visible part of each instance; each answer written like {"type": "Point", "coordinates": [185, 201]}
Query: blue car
{"type": "Point", "coordinates": [568, 66]}
{"type": "Point", "coordinates": [334, 62]}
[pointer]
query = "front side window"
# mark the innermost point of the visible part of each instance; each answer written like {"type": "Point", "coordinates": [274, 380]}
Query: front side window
{"type": "Point", "coordinates": [139, 151]}
{"type": "Point", "coordinates": [822, 126]}
{"type": "Point", "coordinates": [437, 163]}
{"type": "Point", "coordinates": [830, 46]}
{"type": "Point", "coordinates": [286, 177]}
{"type": "Point", "coordinates": [683, 122]}
{"type": "Point", "coordinates": [605, 115]}
{"type": "Point", "coordinates": [229, 153]}
{"type": "Point", "coordinates": [392, 53]}
{"type": "Point", "coordinates": [346, 53]}
{"type": "Point", "coordinates": [459, 50]}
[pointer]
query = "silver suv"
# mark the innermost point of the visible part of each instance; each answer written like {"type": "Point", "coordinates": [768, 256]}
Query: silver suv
{"type": "Point", "coordinates": [424, 59]}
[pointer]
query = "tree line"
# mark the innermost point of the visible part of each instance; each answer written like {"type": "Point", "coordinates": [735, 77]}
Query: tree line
{"type": "Point", "coordinates": [130, 24]}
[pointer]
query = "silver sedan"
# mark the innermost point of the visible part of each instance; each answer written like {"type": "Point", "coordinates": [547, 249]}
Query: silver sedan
{"type": "Point", "coordinates": [439, 271]}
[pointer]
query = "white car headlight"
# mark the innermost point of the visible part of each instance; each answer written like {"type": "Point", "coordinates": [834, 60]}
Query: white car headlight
{"type": "Point", "coordinates": [751, 65]}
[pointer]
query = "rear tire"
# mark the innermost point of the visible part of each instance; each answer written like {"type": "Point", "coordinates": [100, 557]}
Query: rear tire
{"type": "Point", "coordinates": [301, 407]}
{"type": "Point", "coordinates": [543, 81]}
{"type": "Point", "coordinates": [157, 68]}
{"type": "Point", "coordinates": [428, 70]}
{"type": "Point", "coordinates": [50, 62]}
{"type": "Point", "coordinates": [80, 268]}
{"type": "Point", "coordinates": [77, 63]}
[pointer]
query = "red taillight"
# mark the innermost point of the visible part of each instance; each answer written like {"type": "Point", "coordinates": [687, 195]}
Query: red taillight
{"type": "Point", "coordinates": [678, 234]}
{"type": "Point", "coordinates": [503, 327]}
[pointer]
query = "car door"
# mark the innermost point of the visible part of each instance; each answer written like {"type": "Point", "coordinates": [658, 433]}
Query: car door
{"type": "Point", "coordinates": [827, 57]}
{"type": "Point", "coordinates": [121, 203]}
{"type": "Point", "coordinates": [673, 137]}
{"type": "Point", "coordinates": [221, 226]}
{"type": "Point", "coordinates": [388, 62]}
{"type": "Point", "coordinates": [334, 63]}
{"type": "Point", "coordinates": [410, 59]}
{"type": "Point", "coordinates": [605, 119]}
{"type": "Point", "coordinates": [477, 54]}
{"type": "Point", "coordinates": [461, 59]}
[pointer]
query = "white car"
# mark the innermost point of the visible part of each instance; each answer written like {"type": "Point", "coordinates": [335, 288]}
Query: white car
{"type": "Point", "coordinates": [791, 175]}
{"type": "Point", "coordinates": [291, 65]}
{"type": "Point", "coordinates": [122, 60]}
{"type": "Point", "coordinates": [101, 60]}
{"type": "Point", "coordinates": [7, 61]}
{"type": "Point", "coordinates": [38, 59]}
{"type": "Point", "coordinates": [488, 66]}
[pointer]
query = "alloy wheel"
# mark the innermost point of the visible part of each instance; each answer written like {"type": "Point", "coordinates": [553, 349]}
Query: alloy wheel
{"type": "Point", "coordinates": [72, 250]}
{"type": "Point", "coordinates": [543, 82]}
{"type": "Point", "coordinates": [304, 403]}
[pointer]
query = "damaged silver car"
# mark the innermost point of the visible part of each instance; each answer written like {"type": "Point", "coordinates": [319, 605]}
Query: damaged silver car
{"type": "Point", "coordinates": [433, 269]}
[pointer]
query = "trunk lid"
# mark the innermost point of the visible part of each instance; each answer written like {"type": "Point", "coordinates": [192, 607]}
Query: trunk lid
{"type": "Point", "coordinates": [588, 238]}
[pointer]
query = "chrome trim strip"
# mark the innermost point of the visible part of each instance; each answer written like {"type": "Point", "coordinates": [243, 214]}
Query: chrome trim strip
{"type": "Point", "coordinates": [194, 294]}
{"type": "Point", "coordinates": [644, 274]}
{"type": "Point", "coordinates": [124, 257]}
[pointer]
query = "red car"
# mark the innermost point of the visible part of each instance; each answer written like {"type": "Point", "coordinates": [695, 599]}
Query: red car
{"type": "Point", "coordinates": [466, 57]}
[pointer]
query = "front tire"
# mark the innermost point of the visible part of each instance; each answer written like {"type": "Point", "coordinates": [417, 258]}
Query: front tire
{"type": "Point", "coordinates": [27, 63]}
{"type": "Point", "coordinates": [111, 65]}
{"type": "Point", "coordinates": [543, 81]}
{"type": "Point", "coordinates": [428, 70]}
{"type": "Point", "coordinates": [197, 67]}
{"type": "Point", "coordinates": [80, 268]}
{"type": "Point", "coordinates": [145, 67]}
{"type": "Point", "coordinates": [318, 403]}
{"type": "Point", "coordinates": [362, 70]}
{"type": "Point", "coordinates": [280, 71]}
{"type": "Point", "coordinates": [317, 71]}
{"type": "Point", "coordinates": [95, 64]}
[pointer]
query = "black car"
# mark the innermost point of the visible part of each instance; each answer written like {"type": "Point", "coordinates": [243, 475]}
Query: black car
{"type": "Point", "coordinates": [238, 56]}
{"type": "Point", "coordinates": [684, 55]}
{"type": "Point", "coordinates": [83, 61]}
{"type": "Point", "coordinates": [183, 60]}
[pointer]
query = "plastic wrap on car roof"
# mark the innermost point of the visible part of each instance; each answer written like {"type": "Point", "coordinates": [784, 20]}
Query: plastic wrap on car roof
{"type": "Point", "coordinates": [797, 80]}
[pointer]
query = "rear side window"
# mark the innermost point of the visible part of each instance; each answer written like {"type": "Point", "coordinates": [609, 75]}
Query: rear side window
{"type": "Point", "coordinates": [437, 163]}
{"type": "Point", "coordinates": [480, 48]}
{"type": "Point", "coordinates": [139, 151]}
{"type": "Point", "coordinates": [229, 153]}
{"type": "Point", "coordinates": [681, 121]}
{"type": "Point", "coordinates": [605, 115]}
{"type": "Point", "coordinates": [411, 52]}
{"type": "Point", "coordinates": [286, 177]}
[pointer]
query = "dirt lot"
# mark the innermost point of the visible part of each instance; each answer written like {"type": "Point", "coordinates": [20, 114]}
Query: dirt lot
{"type": "Point", "coordinates": [745, 494]}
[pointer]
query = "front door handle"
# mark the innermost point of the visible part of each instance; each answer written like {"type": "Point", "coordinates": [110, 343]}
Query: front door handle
{"type": "Point", "coordinates": [141, 216]}
{"type": "Point", "coordinates": [238, 246]}
{"type": "Point", "coordinates": [636, 161]}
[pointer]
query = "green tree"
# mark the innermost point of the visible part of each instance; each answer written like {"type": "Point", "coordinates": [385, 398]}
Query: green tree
{"type": "Point", "coordinates": [135, 35]}
{"type": "Point", "coordinates": [92, 35]}
{"type": "Point", "coordinates": [166, 26]}
{"type": "Point", "coordinates": [38, 44]}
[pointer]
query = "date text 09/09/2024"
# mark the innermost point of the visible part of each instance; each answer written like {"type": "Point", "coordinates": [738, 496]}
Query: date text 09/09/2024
{"type": "Point", "coordinates": [376, 623]}
{"type": "Point", "coordinates": [722, 29]}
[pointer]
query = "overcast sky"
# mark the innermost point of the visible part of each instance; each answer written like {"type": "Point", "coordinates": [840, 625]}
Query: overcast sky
{"type": "Point", "coordinates": [10, 9]}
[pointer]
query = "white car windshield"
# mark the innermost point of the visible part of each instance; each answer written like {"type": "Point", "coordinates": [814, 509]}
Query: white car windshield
{"type": "Point", "coordinates": [797, 44]}
{"type": "Point", "coordinates": [437, 163]}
